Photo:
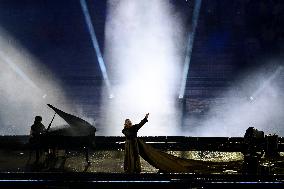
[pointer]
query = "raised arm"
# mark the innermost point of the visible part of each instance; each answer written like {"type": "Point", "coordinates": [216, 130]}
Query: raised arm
{"type": "Point", "coordinates": [142, 122]}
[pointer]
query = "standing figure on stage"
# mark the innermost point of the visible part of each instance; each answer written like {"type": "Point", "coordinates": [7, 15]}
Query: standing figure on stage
{"type": "Point", "coordinates": [131, 158]}
{"type": "Point", "coordinates": [37, 129]}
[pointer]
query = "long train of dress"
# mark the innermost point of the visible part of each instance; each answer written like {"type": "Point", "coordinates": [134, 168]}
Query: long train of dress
{"type": "Point", "coordinates": [172, 164]}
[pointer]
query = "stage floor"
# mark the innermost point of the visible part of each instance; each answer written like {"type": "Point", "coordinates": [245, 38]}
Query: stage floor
{"type": "Point", "coordinates": [112, 162]}
{"type": "Point", "coordinates": [221, 169]}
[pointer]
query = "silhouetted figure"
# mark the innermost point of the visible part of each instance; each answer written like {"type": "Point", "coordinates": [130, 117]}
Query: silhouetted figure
{"type": "Point", "coordinates": [254, 141]}
{"type": "Point", "coordinates": [254, 149]}
{"type": "Point", "coordinates": [131, 158]}
{"type": "Point", "coordinates": [37, 129]}
{"type": "Point", "coordinates": [271, 147]}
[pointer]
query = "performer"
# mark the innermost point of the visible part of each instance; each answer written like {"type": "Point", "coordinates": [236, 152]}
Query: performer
{"type": "Point", "coordinates": [131, 158]}
{"type": "Point", "coordinates": [37, 129]}
{"type": "Point", "coordinates": [164, 162]}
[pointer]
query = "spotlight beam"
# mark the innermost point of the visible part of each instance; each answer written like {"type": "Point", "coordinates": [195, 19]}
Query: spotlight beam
{"type": "Point", "coordinates": [95, 43]}
{"type": "Point", "coordinates": [187, 60]}
{"type": "Point", "coordinates": [266, 83]}
{"type": "Point", "coordinates": [16, 69]}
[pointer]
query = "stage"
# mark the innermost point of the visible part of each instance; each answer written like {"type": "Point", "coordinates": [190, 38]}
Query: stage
{"type": "Point", "coordinates": [143, 180]}
{"type": "Point", "coordinates": [221, 156]}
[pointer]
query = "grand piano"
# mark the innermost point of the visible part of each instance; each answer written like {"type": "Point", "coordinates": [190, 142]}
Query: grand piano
{"type": "Point", "coordinates": [77, 135]}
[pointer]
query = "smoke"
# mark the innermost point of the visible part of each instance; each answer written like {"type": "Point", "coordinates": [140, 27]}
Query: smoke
{"type": "Point", "coordinates": [143, 55]}
{"type": "Point", "coordinates": [255, 100]}
{"type": "Point", "coordinates": [26, 86]}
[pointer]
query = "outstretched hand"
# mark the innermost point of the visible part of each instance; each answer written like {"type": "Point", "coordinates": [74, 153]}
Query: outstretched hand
{"type": "Point", "coordinates": [147, 115]}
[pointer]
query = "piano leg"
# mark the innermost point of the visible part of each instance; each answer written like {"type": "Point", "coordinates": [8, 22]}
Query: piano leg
{"type": "Point", "coordinates": [87, 155]}
{"type": "Point", "coordinates": [37, 155]}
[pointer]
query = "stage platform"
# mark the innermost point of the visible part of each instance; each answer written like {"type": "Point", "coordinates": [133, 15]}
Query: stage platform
{"type": "Point", "coordinates": [222, 168]}
{"type": "Point", "coordinates": [137, 181]}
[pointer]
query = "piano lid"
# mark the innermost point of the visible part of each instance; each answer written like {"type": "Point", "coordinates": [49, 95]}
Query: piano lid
{"type": "Point", "coordinates": [73, 121]}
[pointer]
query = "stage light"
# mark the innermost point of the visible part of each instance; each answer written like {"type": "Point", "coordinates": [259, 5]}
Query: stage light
{"type": "Point", "coordinates": [266, 83]}
{"type": "Point", "coordinates": [143, 55]}
{"type": "Point", "coordinates": [24, 88]}
{"type": "Point", "coordinates": [95, 43]}
{"type": "Point", "coordinates": [16, 69]}
{"type": "Point", "coordinates": [187, 59]}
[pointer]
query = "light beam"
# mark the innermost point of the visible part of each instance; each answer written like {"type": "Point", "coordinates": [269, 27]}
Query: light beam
{"type": "Point", "coordinates": [95, 43]}
{"type": "Point", "coordinates": [16, 69]}
{"type": "Point", "coordinates": [266, 83]}
{"type": "Point", "coordinates": [144, 58]}
{"type": "Point", "coordinates": [187, 60]}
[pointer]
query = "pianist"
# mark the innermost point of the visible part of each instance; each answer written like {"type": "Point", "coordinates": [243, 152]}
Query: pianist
{"type": "Point", "coordinates": [37, 129]}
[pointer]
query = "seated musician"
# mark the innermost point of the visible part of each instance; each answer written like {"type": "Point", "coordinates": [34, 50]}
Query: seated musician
{"type": "Point", "coordinates": [37, 129]}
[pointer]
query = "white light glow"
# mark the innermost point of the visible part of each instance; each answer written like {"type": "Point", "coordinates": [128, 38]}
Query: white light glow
{"type": "Point", "coordinates": [236, 109]}
{"type": "Point", "coordinates": [26, 86]}
{"type": "Point", "coordinates": [142, 53]}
